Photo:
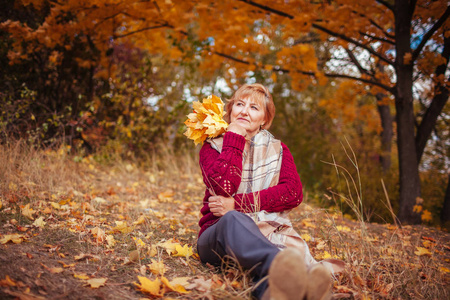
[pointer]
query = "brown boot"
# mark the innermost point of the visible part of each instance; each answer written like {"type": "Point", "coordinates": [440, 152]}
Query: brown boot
{"type": "Point", "coordinates": [319, 283]}
{"type": "Point", "coordinates": [287, 276]}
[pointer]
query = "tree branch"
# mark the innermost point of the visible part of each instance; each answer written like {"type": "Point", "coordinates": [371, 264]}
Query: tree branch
{"type": "Point", "coordinates": [321, 28]}
{"type": "Point", "coordinates": [309, 73]}
{"type": "Point", "coordinates": [231, 57]}
{"type": "Point", "coordinates": [391, 36]}
{"type": "Point", "coordinates": [430, 33]}
{"type": "Point", "coordinates": [376, 38]}
{"type": "Point", "coordinates": [357, 64]}
{"type": "Point", "coordinates": [368, 81]}
{"type": "Point", "coordinates": [387, 5]}
{"type": "Point", "coordinates": [352, 41]}
{"type": "Point", "coordinates": [269, 9]}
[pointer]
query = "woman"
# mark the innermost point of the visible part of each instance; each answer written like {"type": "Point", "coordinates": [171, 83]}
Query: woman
{"type": "Point", "coordinates": [249, 174]}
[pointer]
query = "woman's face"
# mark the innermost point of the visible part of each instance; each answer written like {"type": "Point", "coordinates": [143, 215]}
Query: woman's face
{"type": "Point", "coordinates": [249, 114]}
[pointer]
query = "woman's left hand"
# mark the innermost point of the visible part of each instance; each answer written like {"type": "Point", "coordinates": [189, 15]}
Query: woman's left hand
{"type": "Point", "coordinates": [220, 205]}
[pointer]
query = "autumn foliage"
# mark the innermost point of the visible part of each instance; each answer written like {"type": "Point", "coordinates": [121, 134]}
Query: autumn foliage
{"type": "Point", "coordinates": [93, 103]}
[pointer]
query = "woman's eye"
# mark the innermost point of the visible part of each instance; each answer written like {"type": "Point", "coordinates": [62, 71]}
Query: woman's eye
{"type": "Point", "coordinates": [255, 107]}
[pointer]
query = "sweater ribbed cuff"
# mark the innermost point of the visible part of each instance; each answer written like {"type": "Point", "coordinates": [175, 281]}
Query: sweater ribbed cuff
{"type": "Point", "coordinates": [234, 140]}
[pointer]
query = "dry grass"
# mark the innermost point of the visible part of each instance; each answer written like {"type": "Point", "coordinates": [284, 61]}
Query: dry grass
{"type": "Point", "coordinates": [167, 190]}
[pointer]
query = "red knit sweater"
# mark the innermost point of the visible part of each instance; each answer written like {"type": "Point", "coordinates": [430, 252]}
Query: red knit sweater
{"type": "Point", "coordinates": [222, 174]}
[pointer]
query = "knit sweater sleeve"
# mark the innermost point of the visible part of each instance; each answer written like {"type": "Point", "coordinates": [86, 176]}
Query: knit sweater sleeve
{"type": "Point", "coordinates": [222, 171]}
{"type": "Point", "coordinates": [287, 194]}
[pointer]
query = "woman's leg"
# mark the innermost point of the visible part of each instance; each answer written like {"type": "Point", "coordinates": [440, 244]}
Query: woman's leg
{"type": "Point", "coordinates": [237, 235]}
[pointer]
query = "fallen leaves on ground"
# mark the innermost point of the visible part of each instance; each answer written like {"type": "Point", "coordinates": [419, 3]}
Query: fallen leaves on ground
{"type": "Point", "coordinates": [122, 221]}
{"type": "Point", "coordinates": [15, 238]}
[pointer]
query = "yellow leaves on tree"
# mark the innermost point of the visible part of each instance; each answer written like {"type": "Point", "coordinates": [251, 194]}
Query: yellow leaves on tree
{"type": "Point", "coordinates": [206, 121]}
{"type": "Point", "coordinates": [349, 104]}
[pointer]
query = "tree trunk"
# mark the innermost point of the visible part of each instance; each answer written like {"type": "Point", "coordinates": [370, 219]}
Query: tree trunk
{"type": "Point", "coordinates": [445, 213]}
{"type": "Point", "coordinates": [387, 133]}
{"type": "Point", "coordinates": [440, 98]}
{"type": "Point", "coordinates": [408, 165]}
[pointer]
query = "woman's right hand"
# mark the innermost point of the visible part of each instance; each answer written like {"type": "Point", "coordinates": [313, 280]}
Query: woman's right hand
{"type": "Point", "coordinates": [236, 128]}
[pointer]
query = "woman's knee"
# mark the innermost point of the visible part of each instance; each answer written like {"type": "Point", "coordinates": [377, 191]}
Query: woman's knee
{"type": "Point", "coordinates": [231, 217]}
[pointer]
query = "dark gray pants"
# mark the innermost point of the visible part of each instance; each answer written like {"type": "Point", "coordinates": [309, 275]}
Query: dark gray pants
{"type": "Point", "coordinates": [237, 235]}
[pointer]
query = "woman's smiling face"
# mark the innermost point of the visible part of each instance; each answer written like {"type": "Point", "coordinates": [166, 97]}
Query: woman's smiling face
{"type": "Point", "coordinates": [249, 114]}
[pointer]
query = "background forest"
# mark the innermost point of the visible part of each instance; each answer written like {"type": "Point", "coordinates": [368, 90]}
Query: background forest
{"type": "Point", "coordinates": [121, 76]}
{"type": "Point", "coordinates": [100, 189]}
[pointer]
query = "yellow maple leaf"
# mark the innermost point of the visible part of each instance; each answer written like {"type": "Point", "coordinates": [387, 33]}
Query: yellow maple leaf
{"type": "Point", "coordinates": [39, 222]}
{"type": "Point", "coordinates": [174, 286]}
{"type": "Point", "coordinates": [123, 227]}
{"type": "Point", "coordinates": [140, 220]}
{"type": "Point", "coordinates": [207, 120]}
{"type": "Point", "coordinates": [422, 251]}
{"type": "Point", "coordinates": [81, 276]}
{"type": "Point", "coordinates": [157, 267]}
{"type": "Point", "coordinates": [444, 270]}
{"type": "Point", "coordinates": [27, 211]}
{"type": "Point", "coordinates": [151, 287]}
{"type": "Point", "coordinates": [170, 246]}
{"type": "Point", "coordinates": [15, 238]}
{"type": "Point", "coordinates": [184, 251]}
{"type": "Point", "coordinates": [55, 205]}
{"type": "Point", "coordinates": [306, 237]}
{"type": "Point", "coordinates": [95, 283]}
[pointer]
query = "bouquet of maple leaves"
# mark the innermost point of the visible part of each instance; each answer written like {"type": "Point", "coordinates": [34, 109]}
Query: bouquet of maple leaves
{"type": "Point", "coordinates": [206, 121]}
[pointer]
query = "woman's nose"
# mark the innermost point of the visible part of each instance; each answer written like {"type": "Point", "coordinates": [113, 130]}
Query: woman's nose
{"type": "Point", "coordinates": [244, 110]}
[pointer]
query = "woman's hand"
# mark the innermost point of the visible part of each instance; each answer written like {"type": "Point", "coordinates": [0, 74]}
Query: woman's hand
{"type": "Point", "coordinates": [220, 205]}
{"type": "Point", "coordinates": [236, 128]}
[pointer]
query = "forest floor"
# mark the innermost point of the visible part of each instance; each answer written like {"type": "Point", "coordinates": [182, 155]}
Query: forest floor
{"type": "Point", "coordinates": [79, 228]}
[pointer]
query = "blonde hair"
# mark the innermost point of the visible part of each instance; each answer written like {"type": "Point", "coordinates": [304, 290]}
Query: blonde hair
{"type": "Point", "coordinates": [257, 92]}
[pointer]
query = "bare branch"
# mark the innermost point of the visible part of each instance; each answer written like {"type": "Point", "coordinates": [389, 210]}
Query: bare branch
{"type": "Point", "coordinates": [430, 33]}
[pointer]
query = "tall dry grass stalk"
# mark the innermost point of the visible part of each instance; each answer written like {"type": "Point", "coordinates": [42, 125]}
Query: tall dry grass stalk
{"type": "Point", "coordinates": [25, 169]}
